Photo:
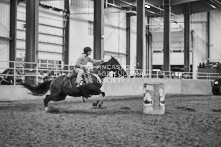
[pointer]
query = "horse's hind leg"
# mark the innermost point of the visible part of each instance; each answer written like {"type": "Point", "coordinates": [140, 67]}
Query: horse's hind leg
{"type": "Point", "coordinates": [99, 102]}
{"type": "Point", "coordinates": [47, 100]}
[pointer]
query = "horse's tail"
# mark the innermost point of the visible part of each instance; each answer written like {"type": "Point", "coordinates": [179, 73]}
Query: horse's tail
{"type": "Point", "coordinates": [39, 90]}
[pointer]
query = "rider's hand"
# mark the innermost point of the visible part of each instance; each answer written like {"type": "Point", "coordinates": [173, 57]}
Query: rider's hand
{"type": "Point", "coordinates": [82, 66]}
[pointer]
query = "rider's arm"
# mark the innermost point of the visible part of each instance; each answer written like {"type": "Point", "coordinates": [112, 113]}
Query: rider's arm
{"type": "Point", "coordinates": [94, 61]}
{"type": "Point", "coordinates": [79, 61]}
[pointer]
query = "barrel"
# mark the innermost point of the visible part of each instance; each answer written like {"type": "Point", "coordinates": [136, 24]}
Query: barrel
{"type": "Point", "coordinates": [154, 98]}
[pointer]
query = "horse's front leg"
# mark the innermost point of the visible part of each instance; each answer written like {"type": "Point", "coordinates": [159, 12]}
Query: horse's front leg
{"type": "Point", "coordinates": [85, 96]}
{"type": "Point", "coordinates": [83, 99]}
{"type": "Point", "coordinates": [100, 102]}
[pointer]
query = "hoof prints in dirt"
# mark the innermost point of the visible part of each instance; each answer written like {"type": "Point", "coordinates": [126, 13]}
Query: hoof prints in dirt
{"type": "Point", "coordinates": [125, 108]}
{"type": "Point", "coordinates": [186, 109]}
{"type": "Point", "coordinates": [216, 110]}
{"type": "Point", "coordinates": [51, 109]}
{"type": "Point", "coordinates": [16, 107]}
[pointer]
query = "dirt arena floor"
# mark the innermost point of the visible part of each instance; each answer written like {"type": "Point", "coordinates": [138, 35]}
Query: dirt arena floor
{"type": "Point", "coordinates": [188, 121]}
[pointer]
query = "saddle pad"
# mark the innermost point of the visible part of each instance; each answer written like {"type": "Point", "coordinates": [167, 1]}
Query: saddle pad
{"type": "Point", "coordinates": [98, 78]}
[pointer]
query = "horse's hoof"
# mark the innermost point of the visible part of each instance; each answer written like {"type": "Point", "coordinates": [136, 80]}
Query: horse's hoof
{"type": "Point", "coordinates": [98, 104]}
{"type": "Point", "coordinates": [51, 109]}
{"type": "Point", "coordinates": [94, 104]}
{"type": "Point", "coordinates": [103, 94]}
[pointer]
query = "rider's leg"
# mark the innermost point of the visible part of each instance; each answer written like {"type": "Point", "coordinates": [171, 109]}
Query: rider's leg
{"type": "Point", "coordinates": [79, 76]}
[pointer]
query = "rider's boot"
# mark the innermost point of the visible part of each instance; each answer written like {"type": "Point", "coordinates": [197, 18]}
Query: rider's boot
{"type": "Point", "coordinates": [79, 84]}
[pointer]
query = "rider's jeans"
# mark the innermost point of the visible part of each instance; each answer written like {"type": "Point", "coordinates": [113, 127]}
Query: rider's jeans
{"type": "Point", "coordinates": [80, 72]}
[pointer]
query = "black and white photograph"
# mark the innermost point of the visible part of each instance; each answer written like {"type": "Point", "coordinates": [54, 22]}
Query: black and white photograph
{"type": "Point", "coordinates": [110, 73]}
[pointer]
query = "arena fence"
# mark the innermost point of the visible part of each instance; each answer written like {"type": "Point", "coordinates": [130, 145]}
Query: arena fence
{"type": "Point", "coordinates": [38, 72]}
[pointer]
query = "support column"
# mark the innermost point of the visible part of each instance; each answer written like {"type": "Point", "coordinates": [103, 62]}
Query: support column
{"type": "Point", "coordinates": [66, 32]}
{"type": "Point", "coordinates": [166, 40]}
{"type": "Point", "coordinates": [208, 37]}
{"type": "Point", "coordinates": [32, 13]}
{"type": "Point", "coordinates": [140, 32]}
{"type": "Point", "coordinates": [187, 38]}
{"type": "Point", "coordinates": [13, 27]}
{"type": "Point", "coordinates": [149, 48]}
{"type": "Point", "coordinates": [98, 29]}
{"type": "Point", "coordinates": [128, 39]}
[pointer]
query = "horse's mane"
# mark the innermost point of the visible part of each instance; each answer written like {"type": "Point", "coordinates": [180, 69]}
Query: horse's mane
{"type": "Point", "coordinates": [110, 61]}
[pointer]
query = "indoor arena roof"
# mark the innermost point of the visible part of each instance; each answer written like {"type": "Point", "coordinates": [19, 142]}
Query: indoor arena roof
{"type": "Point", "coordinates": [155, 7]}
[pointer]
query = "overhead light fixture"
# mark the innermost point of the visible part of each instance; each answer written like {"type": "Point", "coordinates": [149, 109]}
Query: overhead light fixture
{"type": "Point", "coordinates": [213, 6]}
{"type": "Point", "coordinates": [147, 6]}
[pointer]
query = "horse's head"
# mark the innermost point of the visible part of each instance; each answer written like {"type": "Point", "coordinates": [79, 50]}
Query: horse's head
{"type": "Point", "coordinates": [114, 65]}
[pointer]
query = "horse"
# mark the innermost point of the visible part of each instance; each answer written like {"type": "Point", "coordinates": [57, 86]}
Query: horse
{"type": "Point", "coordinates": [63, 85]}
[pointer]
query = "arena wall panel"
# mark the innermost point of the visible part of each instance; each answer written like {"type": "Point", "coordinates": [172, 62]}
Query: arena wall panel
{"type": "Point", "coordinates": [201, 87]}
{"type": "Point", "coordinates": [122, 87]}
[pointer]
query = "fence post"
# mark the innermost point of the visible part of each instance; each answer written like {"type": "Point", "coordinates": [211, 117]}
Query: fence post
{"type": "Point", "coordinates": [56, 71]}
{"type": "Point", "coordinates": [37, 73]}
{"type": "Point", "coordinates": [14, 73]}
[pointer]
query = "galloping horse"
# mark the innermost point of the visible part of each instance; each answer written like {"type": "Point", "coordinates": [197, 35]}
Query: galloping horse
{"type": "Point", "coordinates": [62, 86]}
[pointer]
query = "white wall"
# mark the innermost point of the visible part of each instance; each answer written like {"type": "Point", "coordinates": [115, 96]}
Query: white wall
{"type": "Point", "coordinates": [81, 12]}
{"type": "Point", "coordinates": [4, 55]}
{"type": "Point", "coordinates": [50, 32]}
{"type": "Point", "coordinates": [4, 18]}
{"type": "Point", "coordinates": [198, 43]}
{"type": "Point", "coordinates": [114, 33]}
{"type": "Point", "coordinates": [175, 58]}
{"type": "Point", "coordinates": [215, 36]}
{"type": "Point", "coordinates": [133, 42]}
{"type": "Point", "coordinates": [4, 32]}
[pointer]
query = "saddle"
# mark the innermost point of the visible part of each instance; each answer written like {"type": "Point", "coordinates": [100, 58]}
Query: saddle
{"type": "Point", "coordinates": [86, 78]}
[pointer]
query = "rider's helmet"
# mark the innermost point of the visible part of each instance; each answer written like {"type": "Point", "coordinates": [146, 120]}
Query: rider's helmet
{"type": "Point", "coordinates": [87, 49]}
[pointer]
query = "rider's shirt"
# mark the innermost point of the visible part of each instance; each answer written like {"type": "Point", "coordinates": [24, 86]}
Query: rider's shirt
{"type": "Point", "coordinates": [84, 59]}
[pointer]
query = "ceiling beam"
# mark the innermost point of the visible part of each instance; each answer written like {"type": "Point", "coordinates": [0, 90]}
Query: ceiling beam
{"type": "Point", "coordinates": [156, 7]}
{"type": "Point", "coordinates": [155, 2]}
{"type": "Point", "coordinates": [216, 2]}
{"type": "Point", "coordinates": [178, 2]}
{"type": "Point", "coordinates": [173, 2]}
{"type": "Point", "coordinates": [198, 7]}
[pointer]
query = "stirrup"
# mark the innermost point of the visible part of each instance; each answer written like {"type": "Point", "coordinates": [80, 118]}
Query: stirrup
{"type": "Point", "coordinates": [81, 83]}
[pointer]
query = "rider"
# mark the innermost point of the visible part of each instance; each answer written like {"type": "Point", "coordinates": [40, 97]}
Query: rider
{"type": "Point", "coordinates": [81, 64]}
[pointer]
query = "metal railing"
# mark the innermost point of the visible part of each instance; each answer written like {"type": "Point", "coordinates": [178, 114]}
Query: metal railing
{"type": "Point", "coordinates": [138, 73]}
{"type": "Point", "coordinates": [34, 72]}
{"type": "Point", "coordinates": [31, 71]}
